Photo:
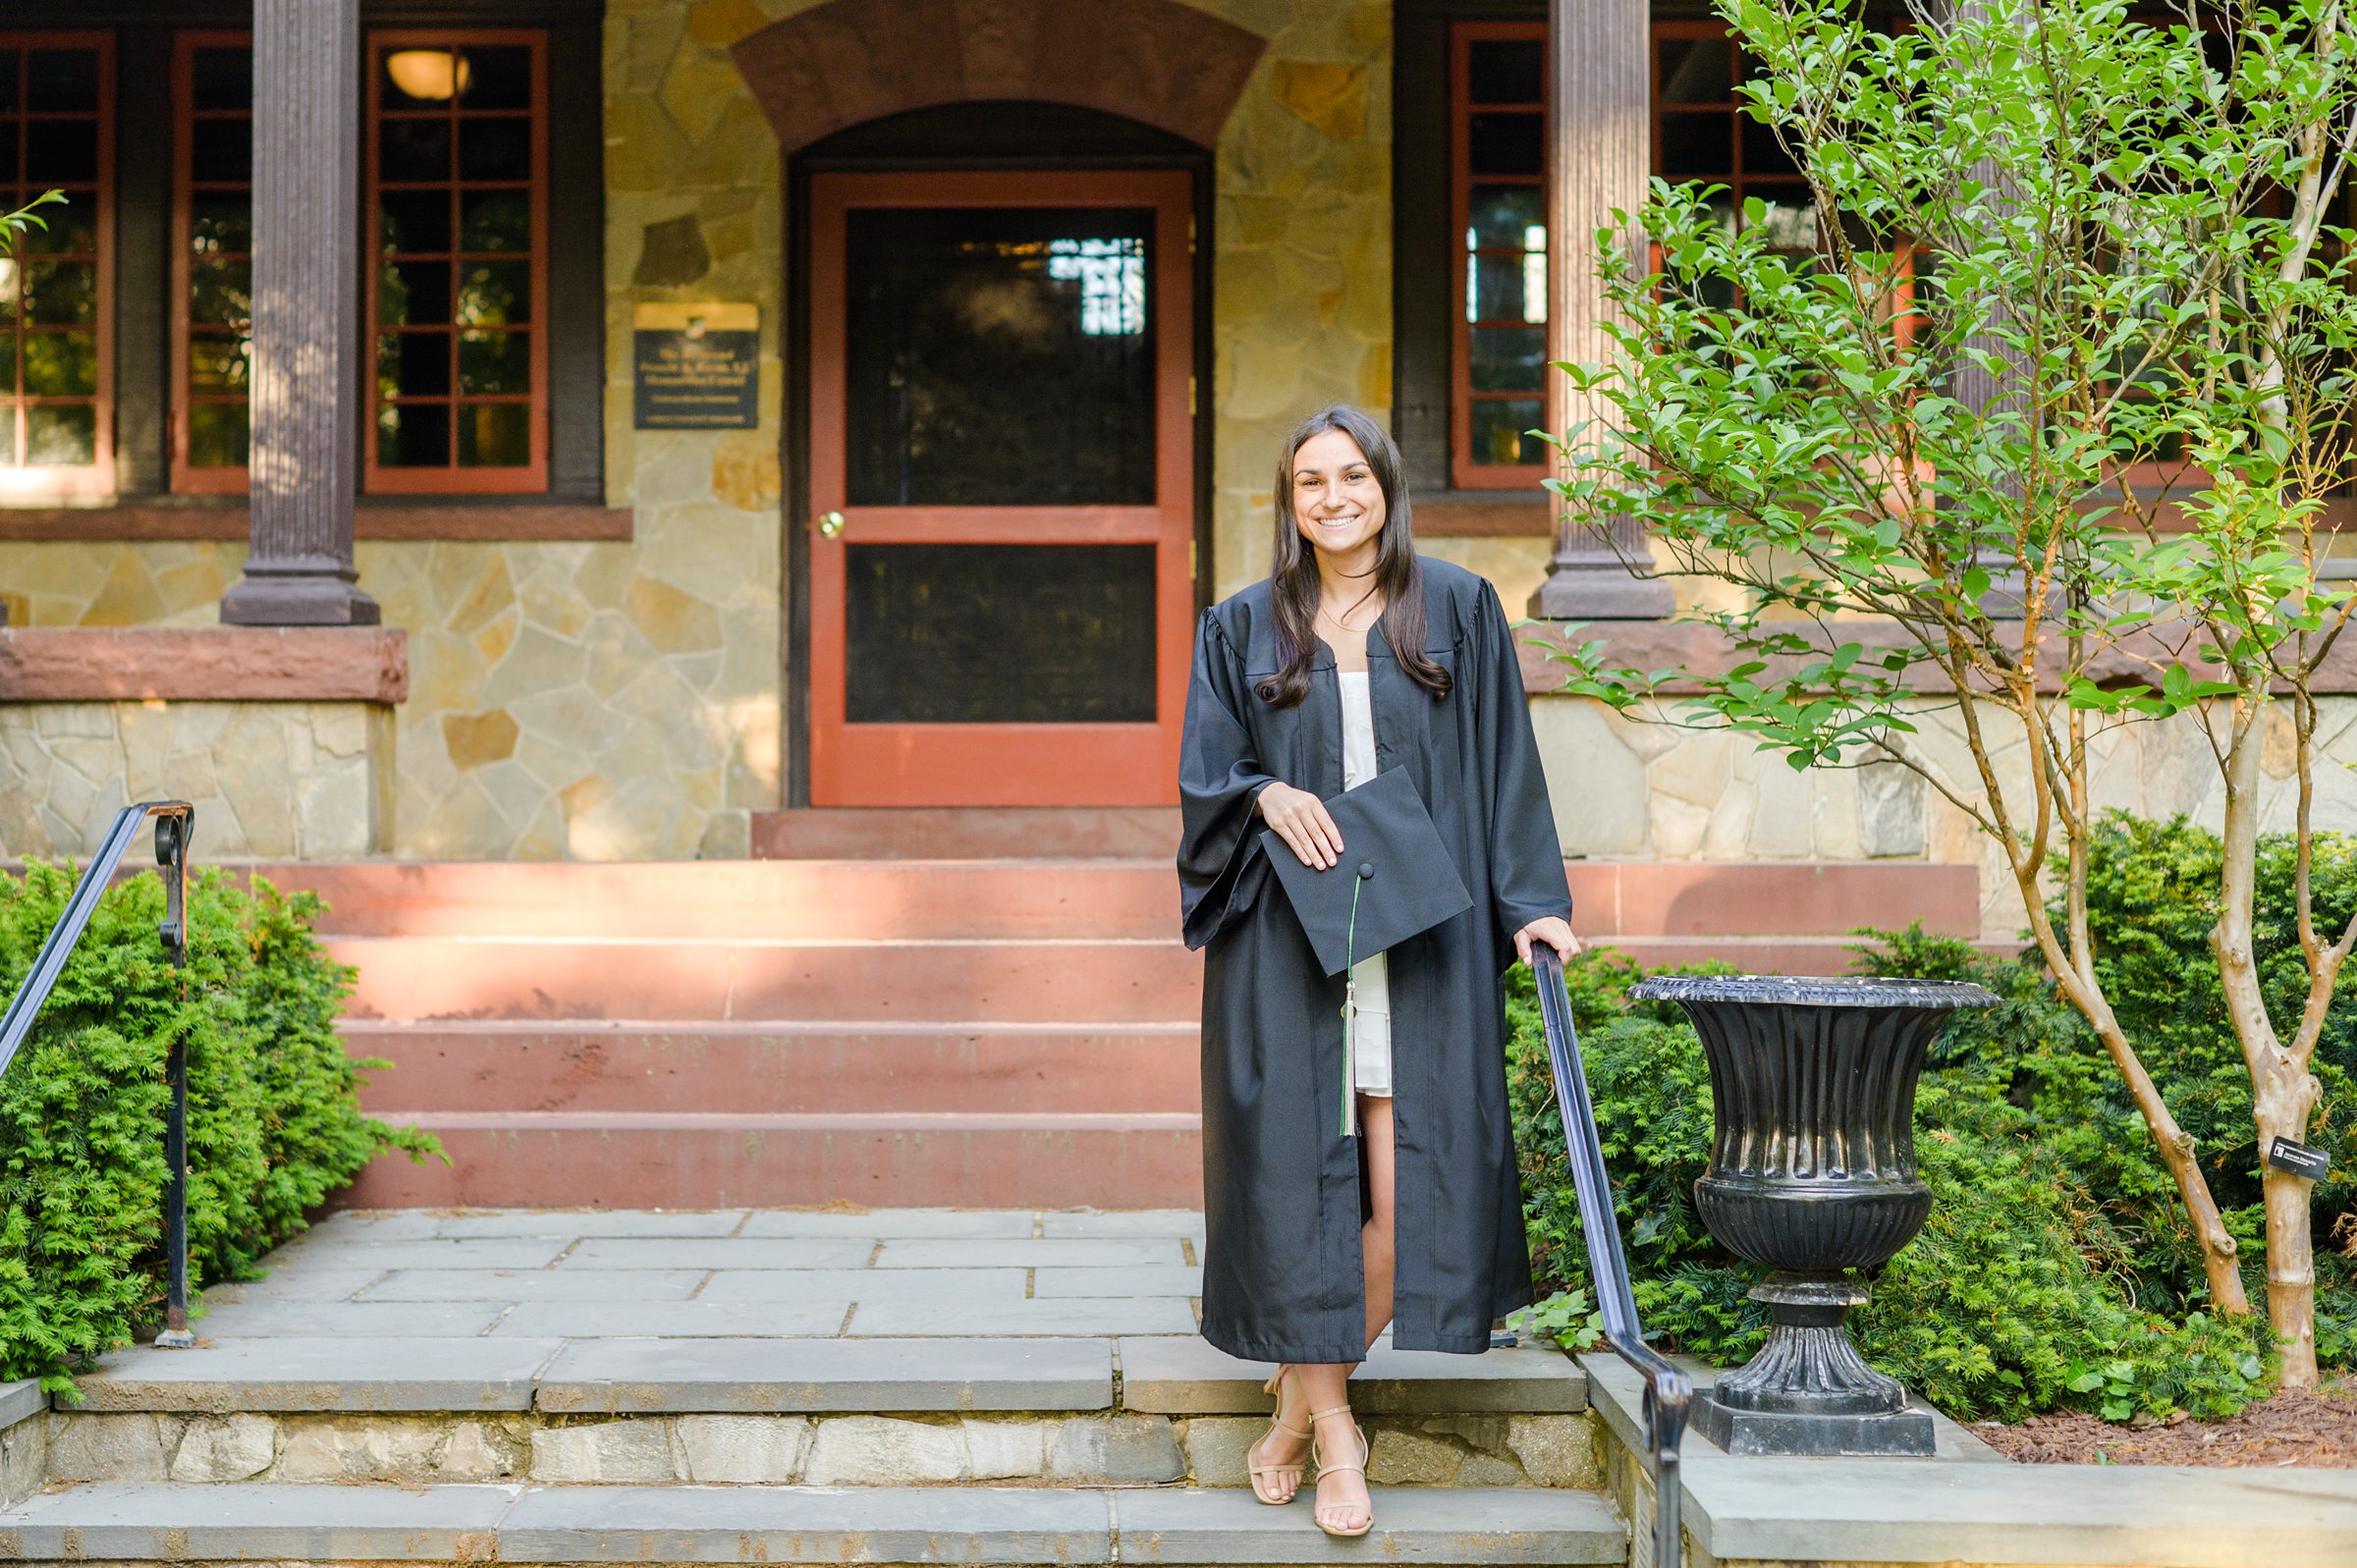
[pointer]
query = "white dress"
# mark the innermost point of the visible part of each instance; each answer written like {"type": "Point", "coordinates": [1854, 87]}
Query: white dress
{"type": "Point", "coordinates": [1372, 1050]}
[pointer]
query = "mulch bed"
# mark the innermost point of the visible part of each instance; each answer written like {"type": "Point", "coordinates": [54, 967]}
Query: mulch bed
{"type": "Point", "coordinates": [2305, 1428]}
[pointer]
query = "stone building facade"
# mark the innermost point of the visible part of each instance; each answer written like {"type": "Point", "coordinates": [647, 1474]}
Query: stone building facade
{"type": "Point", "coordinates": [608, 653]}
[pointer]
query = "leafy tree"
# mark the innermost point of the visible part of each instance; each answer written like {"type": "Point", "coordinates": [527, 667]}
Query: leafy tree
{"type": "Point", "coordinates": [2020, 436]}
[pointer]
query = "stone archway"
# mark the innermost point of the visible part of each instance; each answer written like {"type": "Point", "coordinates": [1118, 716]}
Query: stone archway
{"type": "Point", "coordinates": [1161, 62]}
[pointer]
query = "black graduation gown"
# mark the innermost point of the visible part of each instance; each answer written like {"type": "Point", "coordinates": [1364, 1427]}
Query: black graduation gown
{"type": "Point", "coordinates": [1281, 1271]}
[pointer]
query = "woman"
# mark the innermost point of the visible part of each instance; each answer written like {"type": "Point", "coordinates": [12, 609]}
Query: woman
{"type": "Point", "coordinates": [1318, 1239]}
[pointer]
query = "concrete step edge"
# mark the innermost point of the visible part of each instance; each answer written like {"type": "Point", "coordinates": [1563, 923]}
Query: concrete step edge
{"type": "Point", "coordinates": [964, 1525]}
{"type": "Point", "coordinates": [732, 1122]}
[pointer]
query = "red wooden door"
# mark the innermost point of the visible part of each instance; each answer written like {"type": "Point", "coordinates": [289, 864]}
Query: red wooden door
{"type": "Point", "coordinates": [1002, 490]}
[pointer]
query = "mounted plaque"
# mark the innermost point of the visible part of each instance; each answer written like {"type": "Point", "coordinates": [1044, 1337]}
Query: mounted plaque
{"type": "Point", "coordinates": [695, 366]}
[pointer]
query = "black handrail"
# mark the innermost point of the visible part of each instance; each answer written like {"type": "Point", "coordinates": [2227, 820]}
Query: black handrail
{"type": "Point", "coordinates": [1667, 1392]}
{"type": "Point", "coordinates": [175, 823]}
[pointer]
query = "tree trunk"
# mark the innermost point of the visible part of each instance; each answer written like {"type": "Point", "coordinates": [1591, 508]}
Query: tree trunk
{"type": "Point", "coordinates": [2282, 1097]}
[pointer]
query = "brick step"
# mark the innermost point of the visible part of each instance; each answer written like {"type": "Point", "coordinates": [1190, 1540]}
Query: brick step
{"type": "Point", "coordinates": [948, 981]}
{"type": "Point", "coordinates": [588, 1066]}
{"type": "Point", "coordinates": [965, 832]}
{"type": "Point", "coordinates": [1014, 898]}
{"type": "Point", "coordinates": [1127, 1160]}
{"type": "Point", "coordinates": [636, 1524]}
{"type": "Point", "coordinates": [839, 900]}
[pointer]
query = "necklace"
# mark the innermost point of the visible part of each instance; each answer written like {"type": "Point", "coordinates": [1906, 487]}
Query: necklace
{"type": "Point", "coordinates": [1338, 623]}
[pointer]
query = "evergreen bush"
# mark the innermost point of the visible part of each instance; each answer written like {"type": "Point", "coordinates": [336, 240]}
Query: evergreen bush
{"type": "Point", "coordinates": [2055, 1268]}
{"type": "Point", "coordinates": [274, 1119]}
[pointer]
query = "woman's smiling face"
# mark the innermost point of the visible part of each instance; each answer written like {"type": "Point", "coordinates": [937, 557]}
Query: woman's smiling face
{"type": "Point", "coordinates": [1338, 506]}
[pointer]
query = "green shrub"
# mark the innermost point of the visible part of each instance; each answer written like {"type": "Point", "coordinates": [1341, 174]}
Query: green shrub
{"type": "Point", "coordinates": [274, 1119]}
{"type": "Point", "coordinates": [2052, 1272]}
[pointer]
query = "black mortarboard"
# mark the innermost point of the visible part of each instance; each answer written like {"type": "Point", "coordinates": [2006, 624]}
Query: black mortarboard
{"type": "Point", "coordinates": [1392, 864]}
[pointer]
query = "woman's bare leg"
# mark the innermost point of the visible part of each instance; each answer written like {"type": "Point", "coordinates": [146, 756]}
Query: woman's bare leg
{"type": "Point", "coordinates": [1342, 1500]}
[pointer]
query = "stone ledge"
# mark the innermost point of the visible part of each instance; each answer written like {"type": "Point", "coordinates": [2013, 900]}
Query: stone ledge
{"type": "Point", "coordinates": [1967, 1504]}
{"type": "Point", "coordinates": [635, 1523]}
{"type": "Point", "coordinates": [20, 1401]}
{"type": "Point", "coordinates": [134, 522]}
{"type": "Point", "coordinates": [205, 664]}
{"type": "Point", "coordinates": [1690, 645]}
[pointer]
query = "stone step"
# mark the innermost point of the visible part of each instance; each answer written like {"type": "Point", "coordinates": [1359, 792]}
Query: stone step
{"type": "Point", "coordinates": [835, 901]}
{"type": "Point", "coordinates": [1058, 981]}
{"type": "Point", "coordinates": [757, 1067]}
{"type": "Point", "coordinates": [965, 832]}
{"type": "Point", "coordinates": [1114, 1160]}
{"type": "Point", "coordinates": [878, 897]}
{"type": "Point", "coordinates": [791, 1524]}
{"type": "Point", "coordinates": [374, 1404]}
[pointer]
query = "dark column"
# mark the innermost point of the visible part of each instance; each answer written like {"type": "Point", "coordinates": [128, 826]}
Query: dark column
{"type": "Point", "coordinates": [1599, 154]}
{"type": "Point", "coordinates": [307, 167]}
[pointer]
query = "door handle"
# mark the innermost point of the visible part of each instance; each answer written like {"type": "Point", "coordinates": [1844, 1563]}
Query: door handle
{"type": "Point", "coordinates": [830, 523]}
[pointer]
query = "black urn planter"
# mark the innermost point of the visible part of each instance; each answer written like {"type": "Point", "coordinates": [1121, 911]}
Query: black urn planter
{"type": "Point", "coordinates": [1812, 1174]}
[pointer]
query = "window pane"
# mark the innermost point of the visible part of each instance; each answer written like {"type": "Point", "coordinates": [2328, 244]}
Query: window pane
{"type": "Point", "coordinates": [8, 383]}
{"type": "Point", "coordinates": [61, 152]}
{"type": "Point", "coordinates": [221, 149]}
{"type": "Point", "coordinates": [1000, 357]}
{"type": "Point", "coordinates": [12, 64]}
{"type": "Point", "coordinates": [1696, 70]}
{"type": "Point", "coordinates": [491, 364]}
{"type": "Point", "coordinates": [221, 291]}
{"type": "Point", "coordinates": [221, 78]}
{"type": "Point", "coordinates": [217, 435]}
{"type": "Point", "coordinates": [413, 149]}
{"type": "Point", "coordinates": [421, 78]}
{"type": "Point", "coordinates": [12, 135]}
{"type": "Point", "coordinates": [495, 435]}
{"type": "Point", "coordinates": [495, 150]}
{"type": "Point", "coordinates": [1697, 143]}
{"type": "Point", "coordinates": [1504, 215]}
{"type": "Point", "coordinates": [414, 365]}
{"type": "Point", "coordinates": [1506, 70]}
{"type": "Point", "coordinates": [220, 221]}
{"type": "Point", "coordinates": [1502, 290]}
{"type": "Point", "coordinates": [412, 435]}
{"type": "Point", "coordinates": [1507, 359]}
{"type": "Point", "coordinates": [61, 365]}
{"type": "Point", "coordinates": [495, 294]}
{"type": "Point", "coordinates": [60, 294]}
{"type": "Point", "coordinates": [999, 634]}
{"type": "Point", "coordinates": [1498, 426]}
{"type": "Point", "coordinates": [415, 220]}
{"type": "Point", "coordinates": [495, 220]}
{"type": "Point", "coordinates": [1763, 155]}
{"type": "Point", "coordinates": [62, 78]}
{"type": "Point", "coordinates": [73, 229]}
{"type": "Point", "coordinates": [217, 363]}
{"type": "Point", "coordinates": [1507, 144]}
{"type": "Point", "coordinates": [61, 435]}
{"type": "Point", "coordinates": [498, 77]}
{"type": "Point", "coordinates": [414, 293]}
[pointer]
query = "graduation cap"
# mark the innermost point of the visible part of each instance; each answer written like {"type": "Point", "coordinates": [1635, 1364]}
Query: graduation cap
{"type": "Point", "coordinates": [1394, 878]}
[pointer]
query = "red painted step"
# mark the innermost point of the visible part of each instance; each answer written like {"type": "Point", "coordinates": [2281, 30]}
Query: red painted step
{"type": "Point", "coordinates": [772, 1068]}
{"type": "Point", "coordinates": [946, 982]}
{"type": "Point", "coordinates": [609, 1160]}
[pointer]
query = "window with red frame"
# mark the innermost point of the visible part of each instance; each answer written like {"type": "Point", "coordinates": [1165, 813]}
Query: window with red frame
{"type": "Point", "coordinates": [56, 132]}
{"type": "Point", "coordinates": [213, 259]}
{"type": "Point", "coordinates": [457, 292]}
{"type": "Point", "coordinates": [1702, 132]}
{"type": "Point", "coordinates": [1498, 75]}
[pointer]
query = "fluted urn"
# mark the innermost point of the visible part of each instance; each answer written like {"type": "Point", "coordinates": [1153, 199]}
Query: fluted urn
{"type": "Point", "coordinates": [1812, 1175]}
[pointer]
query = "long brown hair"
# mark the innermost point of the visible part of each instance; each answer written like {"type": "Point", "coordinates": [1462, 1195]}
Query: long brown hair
{"type": "Point", "coordinates": [1293, 587]}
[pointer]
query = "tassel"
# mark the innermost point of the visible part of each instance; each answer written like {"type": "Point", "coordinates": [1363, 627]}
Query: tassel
{"type": "Point", "coordinates": [1350, 1020]}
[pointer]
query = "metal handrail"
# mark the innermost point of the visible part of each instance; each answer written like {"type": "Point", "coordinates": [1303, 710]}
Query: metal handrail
{"type": "Point", "coordinates": [175, 823]}
{"type": "Point", "coordinates": [1668, 1392]}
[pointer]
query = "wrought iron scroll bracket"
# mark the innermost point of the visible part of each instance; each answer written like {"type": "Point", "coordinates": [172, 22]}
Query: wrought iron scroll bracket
{"type": "Point", "coordinates": [175, 824]}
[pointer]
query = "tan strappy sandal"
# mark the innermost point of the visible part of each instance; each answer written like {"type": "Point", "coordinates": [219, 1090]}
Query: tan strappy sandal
{"type": "Point", "coordinates": [1276, 1386]}
{"type": "Point", "coordinates": [1321, 1467]}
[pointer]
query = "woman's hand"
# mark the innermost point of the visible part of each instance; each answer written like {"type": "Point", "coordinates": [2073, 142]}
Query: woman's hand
{"type": "Point", "coordinates": [1300, 820]}
{"type": "Point", "coordinates": [1553, 929]}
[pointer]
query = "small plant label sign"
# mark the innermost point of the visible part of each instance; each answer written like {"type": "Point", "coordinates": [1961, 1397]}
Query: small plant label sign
{"type": "Point", "coordinates": [2298, 1158]}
